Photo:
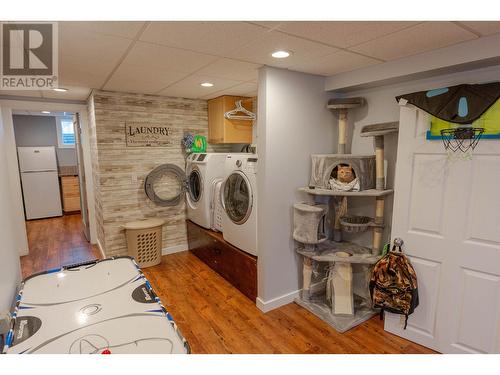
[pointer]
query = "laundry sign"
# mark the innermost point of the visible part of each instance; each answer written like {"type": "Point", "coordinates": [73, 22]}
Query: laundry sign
{"type": "Point", "coordinates": [140, 134]}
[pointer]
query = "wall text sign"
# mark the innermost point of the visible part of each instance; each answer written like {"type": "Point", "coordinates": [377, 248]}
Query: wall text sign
{"type": "Point", "coordinates": [139, 134]}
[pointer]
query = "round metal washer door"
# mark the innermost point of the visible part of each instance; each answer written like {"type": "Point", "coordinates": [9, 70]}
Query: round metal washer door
{"type": "Point", "coordinates": [195, 185]}
{"type": "Point", "coordinates": [166, 185]}
{"type": "Point", "coordinates": [238, 199]}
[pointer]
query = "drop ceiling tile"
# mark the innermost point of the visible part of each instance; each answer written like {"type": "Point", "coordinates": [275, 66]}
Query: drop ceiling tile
{"type": "Point", "coordinates": [215, 38]}
{"type": "Point", "coordinates": [240, 90]}
{"type": "Point", "coordinates": [74, 71]}
{"type": "Point", "coordinates": [337, 62]}
{"type": "Point", "coordinates": [73, 93]}
{"type": "Point", "coordinates": [134, 78]}
{"type": "Point", "coordinates": [114, 28]}
{"type": "Point", "coordinates": [150, 56]}
{"type": "Point", "coordinates": [417, 39]}
{"type": "Point", "coordinates": [231, 69]}
{"type": "Point", "coordinates": [29, 93]}
{"type": "Point", "coordinates": [92, 46]}
{"type": "Point", "coordinates": [483, 27]}
{"type": "Point", "coordinates": [259, 52]}
{"type": "Point", "coordinates": [342, 33]}
{"type": "Point", "coordinates": [190, 87]}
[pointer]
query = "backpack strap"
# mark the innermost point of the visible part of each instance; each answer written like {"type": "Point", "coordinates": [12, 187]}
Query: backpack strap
{"type": "Point", "coordinates": [381, 314]}
{"type": "Point", "coordinates": [406, 321]}
{"type": "Point", "coordinates": [394, 248]}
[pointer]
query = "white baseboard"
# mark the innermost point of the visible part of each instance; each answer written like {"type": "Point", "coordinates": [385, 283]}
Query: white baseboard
{"type": "Point", "coordinates": [274, 303]}
{"type": "Point", "coordinates": [174, 249]}
{"type": "Point", "coordinates": [165, 251]}
{"type": "Point", "coordinates": [99, 246]}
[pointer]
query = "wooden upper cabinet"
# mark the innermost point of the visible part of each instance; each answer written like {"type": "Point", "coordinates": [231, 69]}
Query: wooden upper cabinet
{"type": "Point", "coordinates": [222, 130]}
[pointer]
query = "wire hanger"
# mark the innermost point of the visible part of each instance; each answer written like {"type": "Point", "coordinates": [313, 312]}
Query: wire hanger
{"type": "Point", "coordinates": [233, 114]}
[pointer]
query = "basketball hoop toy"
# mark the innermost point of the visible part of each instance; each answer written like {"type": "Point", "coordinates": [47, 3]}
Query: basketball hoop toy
{"type": "Point", "coordinates": [461, 139]}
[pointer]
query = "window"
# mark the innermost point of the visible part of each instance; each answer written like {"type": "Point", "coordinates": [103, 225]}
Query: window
{"type": "Point", "coordinates": [65, 132]}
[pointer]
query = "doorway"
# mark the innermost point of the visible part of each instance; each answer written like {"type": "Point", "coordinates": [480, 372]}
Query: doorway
{"type": "Point", "coordinates": [53, 185]}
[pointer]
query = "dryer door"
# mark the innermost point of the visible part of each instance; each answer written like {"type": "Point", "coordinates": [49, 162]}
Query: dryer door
{"type": "Point", "coordinates": [237, 197]}
{"type": "Point", "coordinates": [166, 185]}
{"type": "Point", "coordinates": [194, 185]}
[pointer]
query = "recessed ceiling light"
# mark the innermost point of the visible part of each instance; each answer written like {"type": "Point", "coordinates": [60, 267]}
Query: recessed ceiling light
{"type": "Point", "coordinates": [207, 84]}
{"type": "Point", "coordinates": [60, 89]}
{"type": "Point", "coordinates": [281, 54]}
{"type": "Point", "coordinates": [46, 112]}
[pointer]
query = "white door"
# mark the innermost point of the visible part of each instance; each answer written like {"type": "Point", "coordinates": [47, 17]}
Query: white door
{"type": "Point", "coordinates": [448, 214]}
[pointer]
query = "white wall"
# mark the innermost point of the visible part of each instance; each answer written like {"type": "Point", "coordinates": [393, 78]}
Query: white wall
{"type": "Point", "coordinates": [293, 124]}
{"type": "Point", "coordinates": [382, 107]}
{"type": "Point", "coordinates": [12, 168]}
{"type": "Point", "coordinates": [10, 271]}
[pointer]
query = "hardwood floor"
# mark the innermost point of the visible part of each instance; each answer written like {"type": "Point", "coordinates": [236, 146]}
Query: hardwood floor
{"type": "Point", "coordinates": [216, 318]}
{"type": "Point", "coordinates": [56, 242]}
{"type": "Point", "coordinates": [213, 315]}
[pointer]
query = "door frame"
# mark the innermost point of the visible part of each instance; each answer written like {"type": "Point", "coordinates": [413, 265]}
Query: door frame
{"type": "Point", "coordinates": [8, 105]}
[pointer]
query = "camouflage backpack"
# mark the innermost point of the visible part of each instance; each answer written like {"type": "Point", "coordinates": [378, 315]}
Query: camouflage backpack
{"type": "Point", "coordinates": [393, 285]}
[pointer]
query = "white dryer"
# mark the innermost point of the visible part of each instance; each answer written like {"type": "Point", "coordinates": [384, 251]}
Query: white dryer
{"type": "Point", "coordinates": [239, 197]}
{"type": "Point", "coordinates": [201, 171]}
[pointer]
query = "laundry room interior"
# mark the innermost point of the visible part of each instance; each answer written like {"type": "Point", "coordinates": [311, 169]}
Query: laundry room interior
{"type": "Point", "coordinates": [263, 187]}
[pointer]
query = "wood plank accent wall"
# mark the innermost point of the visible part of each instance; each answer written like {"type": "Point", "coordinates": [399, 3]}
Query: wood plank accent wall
{"type": "Point", "coordinates": [119, 171]}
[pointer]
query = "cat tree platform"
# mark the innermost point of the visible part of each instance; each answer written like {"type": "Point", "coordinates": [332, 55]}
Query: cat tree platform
{"type": "Point", "coordinates": [334, 193]}
{"type": "Point", "coordinates": [318, 306]}
{"type": "Point", "coordinates": [326, 252]}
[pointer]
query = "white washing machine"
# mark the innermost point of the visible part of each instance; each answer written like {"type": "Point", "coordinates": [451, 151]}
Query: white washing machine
{"type": "Point", "coordinates": [239, 198]}
{"type": "Point", "coordinates": [201, 171]}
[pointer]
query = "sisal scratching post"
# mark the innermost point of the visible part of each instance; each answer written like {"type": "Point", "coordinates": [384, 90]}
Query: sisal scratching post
{"type": "Point", "coordinates": [379, 162]}
{"type": "Point", "coordinates": [342, 131]}
{"type": "Point", "coordinates": [340, 280]}
{"type": "Point", "coordinates": [341, 105]}
{"type": "Point", "coordinates": [379, 221]}
{"type": "Point", "coordinates": [306, 278]}
{"type": "Point", "coordinates": [378, 131]}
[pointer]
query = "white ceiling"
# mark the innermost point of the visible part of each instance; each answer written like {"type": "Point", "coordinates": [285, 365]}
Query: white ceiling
{"type": "Point", "coordinates": [173, 58]}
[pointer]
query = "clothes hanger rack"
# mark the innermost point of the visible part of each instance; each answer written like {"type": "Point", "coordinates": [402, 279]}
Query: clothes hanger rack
{"type": "Point", "coordinates": [234, 113]}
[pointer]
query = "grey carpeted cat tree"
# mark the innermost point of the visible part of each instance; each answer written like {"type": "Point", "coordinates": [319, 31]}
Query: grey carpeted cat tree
{"type": "Point", "coordinates": [335, 272]}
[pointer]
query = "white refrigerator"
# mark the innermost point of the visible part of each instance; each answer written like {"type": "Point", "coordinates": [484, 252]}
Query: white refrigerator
{"type": "Point", "coordinates": [40, 182]}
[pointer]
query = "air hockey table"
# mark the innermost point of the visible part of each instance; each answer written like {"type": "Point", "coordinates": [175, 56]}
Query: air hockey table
{"type": "Point", "coordinates": [104, 306]}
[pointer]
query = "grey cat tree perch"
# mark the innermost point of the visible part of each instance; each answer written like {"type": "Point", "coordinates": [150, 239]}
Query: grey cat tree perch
{"type": "Point", "coordinates": [332, 268]}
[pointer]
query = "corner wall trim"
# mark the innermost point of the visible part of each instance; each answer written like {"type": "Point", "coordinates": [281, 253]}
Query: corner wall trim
{"type": "Point", "coordinates": [174, 249]}
{"type": "Point", "coordinates": [274, 303]}
{"type": "Point", "coordinates": [101, 249]}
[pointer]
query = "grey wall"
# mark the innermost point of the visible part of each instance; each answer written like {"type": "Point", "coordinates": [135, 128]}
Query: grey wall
{"type": "Point", "coordinates": [41, 131]}
{"type": "Point", "coordinates": [10, 271]}
{"type": "Point", "coordinates": [293, 124]}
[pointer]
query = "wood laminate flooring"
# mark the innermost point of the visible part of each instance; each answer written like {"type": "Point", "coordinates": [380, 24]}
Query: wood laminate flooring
{"type": "Point", "coordinates": [213, 315]}
{"type": "Point", "coordinates": [56, 242]}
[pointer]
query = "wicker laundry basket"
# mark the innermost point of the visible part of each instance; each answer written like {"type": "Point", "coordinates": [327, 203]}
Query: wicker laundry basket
{"type": "Point", "coordinates": [144, 241]}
